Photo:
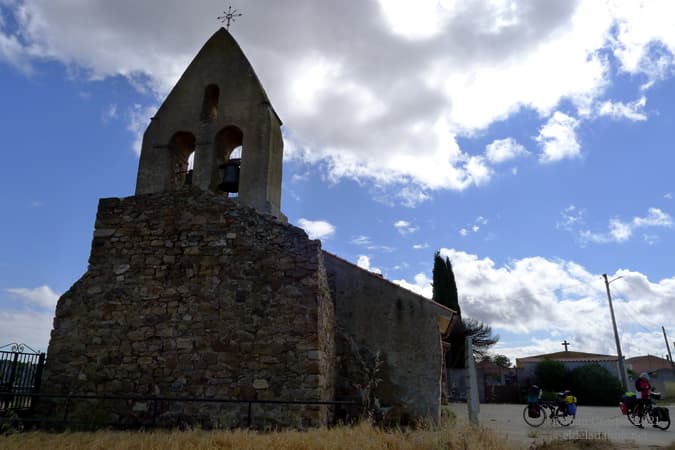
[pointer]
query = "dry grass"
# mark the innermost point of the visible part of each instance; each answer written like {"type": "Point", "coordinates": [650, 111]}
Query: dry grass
{"type": "Point", "coordinates": [363, 436]}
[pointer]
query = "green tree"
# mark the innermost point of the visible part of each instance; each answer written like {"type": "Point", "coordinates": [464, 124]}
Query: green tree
{"type": "Point", "coordinates": [445, 292]}
{"type": "Point", "coordinates": [481, 334]}
{"type": "Point", "coordinates": [551, 375]}
{"type": "Point", "coordinates": [444, 285]}
{"type": "Point", "coordinates": [593, 384]}
{"type": "Point", "coordinates": [502, 361]}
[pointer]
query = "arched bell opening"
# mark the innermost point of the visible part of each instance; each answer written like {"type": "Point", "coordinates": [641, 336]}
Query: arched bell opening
{"type": "Point", "coordinates": [210, 103]}
{"type": "Point", "coordinates": [229, 147]}
{"type": "Point", "coordinates": [182, 146]}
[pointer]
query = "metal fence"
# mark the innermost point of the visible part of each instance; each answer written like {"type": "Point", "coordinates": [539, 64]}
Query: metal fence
{"type": "Point", "coordinates": [152, 407]}
{"type": "Point", "coordinates": [20, 374]}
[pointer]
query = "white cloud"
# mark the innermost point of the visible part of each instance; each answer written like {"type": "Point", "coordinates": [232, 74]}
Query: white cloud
{"type": "Point", "coordinates": [14, 53]}
{"type": "Point", "coordinates": [421, 285]}
{"type": "Point", "coordinates": [364, 263]}
{"type": "Point", "coordinates": [618, 110]}
{"type": "Point", "coordinates": [109, 113]}
{"type": "Point", "coordinates": [365, 241]}
{"type": "Point", "coordinates": [42, 296]}
{"type": "Point", "coordinates": [138, 120]}
{"type": "Point", "coordinates": [420, 246]}
{"type": "Point", "coordinates": [27, 327]}
{"type": "Point", "coordinates": [361, 240]}
{"type": "Point", "coordinates": [335, 74]}
{"type": "Point", "coordinates": [639, 29]}
{"type": "Point", "coordinates": [475, 227]}
{"type": "Point", "coordinates": [571, 218]}
{"type": "Point", "coordinates": [620, 231]}
{"type": "Point", "coordinates": [423, 21]}
{"type": "Point", "coordinates": [502, 150]}
{"type": "Point", "coordinates": [299, 177]}
{"type": "Point", "coordinates": [558, 139]}
{"type": "Point", "coordinates": [668, 195]}
{"type": "Point", "coordinates": [538, 295]}
{"type": "Point", "coordinates": [404, 227]}
{"type": "Point", "coordinates": [317, 229]}
{"type": "Point", "coordinates": [411, 196]}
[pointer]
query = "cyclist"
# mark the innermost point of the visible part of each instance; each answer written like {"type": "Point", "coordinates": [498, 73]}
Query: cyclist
{"type": "Point", "coordinates": [643, 387]}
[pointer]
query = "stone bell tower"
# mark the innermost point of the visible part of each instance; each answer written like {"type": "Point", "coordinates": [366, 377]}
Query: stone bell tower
{"type": "Point", "coordinates": [217, 107]}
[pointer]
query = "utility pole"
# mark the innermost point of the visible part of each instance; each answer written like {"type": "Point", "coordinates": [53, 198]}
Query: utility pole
{"type": "Point", "coordinates": [670, 355]}
{"type": "Point", "coordinates": [622, 368]}
{"type": "Point", "coordinates": [472, 400]}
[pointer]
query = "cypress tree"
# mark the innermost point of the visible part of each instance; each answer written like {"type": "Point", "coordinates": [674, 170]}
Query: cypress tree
{"type": "Point", "coordinates": [444, 288]}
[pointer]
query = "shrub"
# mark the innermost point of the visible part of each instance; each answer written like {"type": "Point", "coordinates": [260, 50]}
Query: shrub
{"type": "Point", "coordinates": [551, 375]}
{"type": "Point", "coordinates": [592, 384]}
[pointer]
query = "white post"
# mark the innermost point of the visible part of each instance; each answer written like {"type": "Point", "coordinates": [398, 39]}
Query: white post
{"type": "Point", "coordinates": [472, 401]}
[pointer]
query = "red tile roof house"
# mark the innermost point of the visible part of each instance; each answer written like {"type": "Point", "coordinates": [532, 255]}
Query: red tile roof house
{"type": "Point", "coordinates": [648, 363]}
{"type": "Point", "coordinates": [661, 372]}
{"type": "Point", "coordinates": [526, 366]}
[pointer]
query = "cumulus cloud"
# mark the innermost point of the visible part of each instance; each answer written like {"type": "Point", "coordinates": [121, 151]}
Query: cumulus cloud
{"type": "Point", "coordinates": [502, 150]}
{"type": "Point", "coordinates": [558, 139]}
{"type": "Point", "coordinates": [42, 296]}
{"type": "Point", "coordinates": [395, 125]}
{"type": "Point", "coordinates": [317, 229]}
{"type": "Point", "coordinates": [621, 231]}
{"type": "Point", "coordinates": [421, 285]}
{"type": "Point", "coordinates": [28, 327]}
{"type": "Point", "coordinates": [552, 296]}
{"type": "Point", "coordinates": [364, 263]}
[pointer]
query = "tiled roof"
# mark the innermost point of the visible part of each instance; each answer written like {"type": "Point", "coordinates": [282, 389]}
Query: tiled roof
{"type": "Point", "coordinates": [647, 363]}
{"type": "Point", "coordinates": [566, 357]}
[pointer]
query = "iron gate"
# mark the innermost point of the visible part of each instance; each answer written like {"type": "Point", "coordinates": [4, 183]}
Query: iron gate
{"type": "Point", "coordinates": [20, 374]}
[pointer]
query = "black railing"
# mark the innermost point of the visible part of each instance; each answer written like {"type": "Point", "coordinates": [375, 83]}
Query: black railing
{"type": "Point", "coordinates": [20, 375]}
{"type": "Point", "coordinates": [63, 418]}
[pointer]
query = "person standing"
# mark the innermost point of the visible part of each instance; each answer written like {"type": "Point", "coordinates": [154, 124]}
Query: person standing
{"type": "Point", "coordinates": [643, 387]}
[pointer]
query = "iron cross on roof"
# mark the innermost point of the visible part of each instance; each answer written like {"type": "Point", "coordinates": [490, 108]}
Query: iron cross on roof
{"type": "Point", "coordinates": [229, 16]}
{"type": "Point", "coordinates": [565, 344]}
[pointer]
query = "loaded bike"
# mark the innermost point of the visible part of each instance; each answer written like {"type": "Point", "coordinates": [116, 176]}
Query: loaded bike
{"type": "Point", "coordinates": [657, 416]}
{"type": "Point", "coordinates": [563, 409]}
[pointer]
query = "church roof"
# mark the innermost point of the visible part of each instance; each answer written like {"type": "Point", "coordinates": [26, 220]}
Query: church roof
{"type": "Point", "coordinates": [222, 60]}
{"type": "Point", "coordinates": [566, 356]}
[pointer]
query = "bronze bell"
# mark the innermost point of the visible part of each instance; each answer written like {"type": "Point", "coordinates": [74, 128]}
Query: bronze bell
{"type": "Point", "coordinates": [230, 176]}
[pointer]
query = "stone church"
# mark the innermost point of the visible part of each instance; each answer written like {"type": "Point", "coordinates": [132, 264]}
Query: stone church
{"type": "Point", "coordinates": [197, 287]}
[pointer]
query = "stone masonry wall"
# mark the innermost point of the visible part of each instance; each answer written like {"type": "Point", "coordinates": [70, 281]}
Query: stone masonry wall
{"type": "Point", "coordinates": [190, 294]}
{"type": "Point", "coordinates": [377, 317]}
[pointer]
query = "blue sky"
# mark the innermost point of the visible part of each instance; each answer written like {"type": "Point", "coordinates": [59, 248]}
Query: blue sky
{"type": "Point", "coordinates": [532, 144]}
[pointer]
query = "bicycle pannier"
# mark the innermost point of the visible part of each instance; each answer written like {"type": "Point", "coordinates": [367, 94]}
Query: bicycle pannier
{"type": "Point", "coordinates": [572, 409]}
{"type": "Point", "coordinates": [623, 408]}
{"type": "Point", "coordinates": [661, 414]}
